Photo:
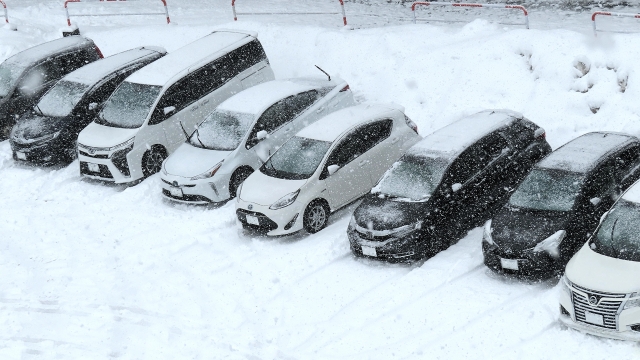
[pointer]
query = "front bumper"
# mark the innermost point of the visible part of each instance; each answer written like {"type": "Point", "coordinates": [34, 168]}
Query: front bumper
{"type": "Point", "coordinates": [127, 171]}
{"type": "Point", "coordinates": [530, 264]}
{"type": "Point", "coordinates": [409, 247]}
{"type": "Point", "coordinates": [283, 221]}
{"type": "Point", "coordinates": [50, 152]}
{"type": "Point", "coordinates": [196, 192]}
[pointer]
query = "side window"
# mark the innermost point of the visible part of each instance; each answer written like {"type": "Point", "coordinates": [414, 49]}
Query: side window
{"type": "Point", "coordinates": [246, 56]}
{"type": "Point", "coordinates": [491, 148]}
{"type": "Point", "coordinates": [373, 134]}
{"type": "Point", "coordinates": [69, 62]}
{"type": "Point", "coordinates": [601, 183]}
{"type": "Point", "coordinates": [102, 93]}
{"type": "Point", "coordinates": [281, 113]}
{"type": "Point", "coordinates": [178, 96]}
{"type": "Point", "coordinates": [35, 77]}
{"type": "Point", "coordinates": [465, 167]}
{"type": "Point", "coordinates": [627, 163]}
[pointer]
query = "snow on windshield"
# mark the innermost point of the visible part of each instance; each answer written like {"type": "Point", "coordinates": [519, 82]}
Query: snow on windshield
{"type": "Point", "coordinates": [545, 189]}
{"type": "Point", "coordinates": [413, 177]}
{"type": "Point", "coordinates": [62, 98]}
{"type": "Point", "coordinates": [297, 159]}
{"type": "Point", "coordinates": [222, 130]}
{"type": "Point", "coordinates": [9, 74]}
{"type": "Point", "coordinates": [129, 105]}
{"type": "Point", "coordinates": [618, 235]}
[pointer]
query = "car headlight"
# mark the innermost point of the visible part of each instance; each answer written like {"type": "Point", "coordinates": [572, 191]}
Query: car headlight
{"type": "Point", "coordinates": [565, 285]}
{"type": "Point", "coordinates": [285, 200]}
{"type": "Point", "coordinates": [46, 138]}
{"type": "Point", "coordinates": [352, 222]}
{"type": "Point", "coordinates": [209, 173]}
{"type": "Point", "coordinates": [163, 168]}
{"type": "Point", "coordinates": [126, 144]}
{"type": "Point", "coordinates": [486, 234]}
{"type": "Point", "coordinates": [551, 244]}
{"type": "Point", "coordinates": [634, 301]}
{"type": "Point", "coordinates": [238, 191]}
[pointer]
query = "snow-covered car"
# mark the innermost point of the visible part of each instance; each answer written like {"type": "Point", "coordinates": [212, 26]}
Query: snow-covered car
{"type": "Point", "coordinates": [444, 185]}
{"type": "Point", "coordinates": [241, 133]}
{"type": "Point", "coordinates": [558, 205]}
{"type": "Point", "coordinates": [324, 167]}
{"type": "Point", "coordinates": [25, 76]}
{"type": "Point", "coordinates": [601, 287]}
{"type": "Point", "coordinates": [49, 132]}
{"type": "Point", "coordinates": [149, 114]}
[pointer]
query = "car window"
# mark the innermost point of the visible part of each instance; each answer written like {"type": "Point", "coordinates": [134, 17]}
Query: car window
{"type": "Point", "coordinates": [281, 113]}
{"type": "Point", "coordinates": [491, 148]}
{"type": "Point", "coordinates": [466, 166]}
{"type": "Point", "coordinates": [627, 163]}
{"type": "Point", "coordinates": [601, 183]}
{"type": "Point", "coordinates": [35, 77]}
{"type": "Point", "coordinates": [102, 93]}
{"type": "Point", "coordinates": [67, 63]}
{"type": "Point", "coordinates": [245, 57]}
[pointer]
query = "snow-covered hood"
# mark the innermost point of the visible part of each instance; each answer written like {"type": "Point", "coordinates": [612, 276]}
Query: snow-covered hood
{"type": "Point", "coordinates": [383, 214]}
{"type": "Point", "coordinates": [598, 272]}
{"type": "Point", "coordinates": [34, 126]}
{"type": "Point", "coordinates": [265, 190]}
{"type": "Point", "coordinates": [189, 161]}
{"type": "Point", "coordinates": [101, 136]}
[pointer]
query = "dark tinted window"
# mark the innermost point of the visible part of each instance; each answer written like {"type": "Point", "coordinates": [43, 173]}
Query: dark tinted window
{"type": "Point", "coordinates": [102, 93]}
{"type": "Point", "coordinates": [491, 148]}
{"type": "Point", "coordinates": [627, 163]}
{"type": "Point", "coordinates": [69, 62]}
{"type": "Point", "coordinates": [246, 56]}
{"type": "Point", "coordinates": [618, 235]}
{"type": "Point", "coordinates": [35, 77]}
{"type": "Point", "coordinates": [601, 183]}
{"type": "Point", "coordinates": [281, 113]}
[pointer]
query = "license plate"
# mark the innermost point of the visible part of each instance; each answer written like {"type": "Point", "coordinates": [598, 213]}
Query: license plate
{"type": "Point", "coordinates": [93, 167]}
{"type": "Point", "coordinates": [369, 251]}
{"type": "Point", "coordinates": [253, 220]}
{"type": "Point", "coordinates": [509, 264]}
{"type": "Point", "coordinates": [592, 318]}
{"type": "Point", "coordinates": [177, 192]}
{"type": "Point", "coordinates": [21, 155]}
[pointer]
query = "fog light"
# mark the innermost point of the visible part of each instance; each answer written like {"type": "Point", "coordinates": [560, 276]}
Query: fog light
{"type": "Point", "coordinates": [564, 311]}
{"type": "Point", "coordinates": [635, 327]}
{"type": "Point", "coordinates": [290, 224]}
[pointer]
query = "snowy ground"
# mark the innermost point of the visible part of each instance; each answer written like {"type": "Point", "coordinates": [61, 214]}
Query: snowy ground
{"type": "Point", "coordinates": [95, 272]}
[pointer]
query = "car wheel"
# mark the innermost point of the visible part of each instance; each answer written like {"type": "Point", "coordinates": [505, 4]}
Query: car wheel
{"type": "Point", "coordinates": [152, 161]}
{"type": "Point", "coordinates": [315, 217]}
{"type": "Point", "coordinates": [238, 178]}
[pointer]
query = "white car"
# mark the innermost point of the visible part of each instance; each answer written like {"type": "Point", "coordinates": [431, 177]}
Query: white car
{"type": "Point", "coordinates": [324, 167]}
{"type": "Point", "coordinates": [241, 133]}
{"type": "Point", "coordinates": [148, 115]}
{"type": "Point", "coordinates": [601, 287]}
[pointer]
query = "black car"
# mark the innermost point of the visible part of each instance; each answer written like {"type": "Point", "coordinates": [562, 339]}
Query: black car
{"type": "Point", "coordinates": [48, 133]}
{"type": "Point", "coordinates": [446, 184]}
{"type": "Point", "coordinates": [27, 75]}
{"type": "Point", "coordinates": [559, 204]}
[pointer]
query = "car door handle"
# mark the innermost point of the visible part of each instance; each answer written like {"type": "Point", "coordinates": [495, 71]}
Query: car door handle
{"type": "Point", "coordinates": [395, 140]}
{"type": "Point", "coordinates": [362, 162]}
{"type": "Point", "coordinates": [194, 108]}
{"type": "Point", "coordinates": [320, 109]}
{"type": "Point", "coordinates": [205, 102]}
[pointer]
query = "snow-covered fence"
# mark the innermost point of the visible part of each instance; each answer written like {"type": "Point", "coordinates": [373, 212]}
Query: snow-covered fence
{"type": "Point", "coordinates": [235, 14]}
{"type": "Point", "coordinates": [606, 13]}
{"type": "Point", "coordinates": [6, 17]}
{"type": "Point", "coordinates": [66, 10]}
{"type": "Point", "coordinates": [490, 6]}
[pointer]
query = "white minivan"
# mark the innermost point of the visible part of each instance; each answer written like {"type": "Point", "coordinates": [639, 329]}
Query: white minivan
{"type": "Point", "coordinates": [238, 137]}
{"type": "Point", "coordinates": [152, 111]}
{"type": "Point", "coordinates": [324, 167]}
{"type": "Point", "coordinates": [601, 287]}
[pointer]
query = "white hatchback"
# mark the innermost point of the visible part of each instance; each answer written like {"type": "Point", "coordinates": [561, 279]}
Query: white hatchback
{"type": "Point", "coordinates": [601, 287]}
{"type": "Point", "coordinates": [326, 166]}
{"type": "Point", "coordinates": [241, 133]}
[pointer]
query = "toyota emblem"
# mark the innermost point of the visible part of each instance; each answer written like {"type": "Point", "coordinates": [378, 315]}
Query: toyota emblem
{"type": "Point", "coordinates": [593, 300]}
{"type": "Point", "coordinates": [250, 207]}
{"type": "Point", "coordinates": [175, 183]}
{"type": "Point", "coordinates": [370, 235]}
{"type": "Point", "coordinates": [92, 151]}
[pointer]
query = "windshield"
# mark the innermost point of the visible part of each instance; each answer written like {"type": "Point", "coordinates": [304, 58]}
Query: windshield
{"type": "Point", "coordinates": [297, 159]}
{"type": "Point", "coordinates": [62, 98]}
{"type": "Point", "coordinates": [544, 189]}
{"type": "Point", "coordinates": [413, 177]}
{"type": "Point", "coordinates": [618, 236]}
{"type": "Point", "coordinates": [9, 74]}
{"type": "Point", "coordinates": [222, 130]}
{"type": "Point", "coordinates": [129, 105]}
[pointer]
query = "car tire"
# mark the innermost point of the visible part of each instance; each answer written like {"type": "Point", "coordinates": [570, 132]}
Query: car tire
{"type": "Point", "coordinates": [152, 160]}
{"type": "Point", "coordinates": [238, 177]}
{"type": "Point", "coordinates": [315, 217]}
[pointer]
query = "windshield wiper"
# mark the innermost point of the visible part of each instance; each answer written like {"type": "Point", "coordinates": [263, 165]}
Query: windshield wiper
{"type": "Point", "coordinates": [39, 110]}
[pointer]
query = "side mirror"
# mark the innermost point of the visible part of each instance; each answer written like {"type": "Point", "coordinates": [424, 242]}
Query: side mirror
{"type": "Point", "coordinates": [93, 106]}
{"type": "Point", "coordinates": [262, 134]}
{"type": "Point", "coordinates": [169, 109]}
{"type": "Point", "coordinates": [455, 187]}
{"type": "Point", "coordinates": [595, 201]}
{"type": "Point", "coordinates": [332, 169]}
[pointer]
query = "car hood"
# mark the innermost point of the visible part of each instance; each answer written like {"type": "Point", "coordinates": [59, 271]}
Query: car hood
{"type": "Point", "coordinates": [265, 190]}
{"type": "Point", "coordinates": [516, 229]}
{"type": "Point", "coordinates": [100, 136]}
{"type": "Point", "coordinates": [594, 271]}
{"type": "Point", "coordinates": [33, 126]}
{"type": "Point", "coordinates": [189, 161]}
{"type": "Point", "coordinates": [375, 213]}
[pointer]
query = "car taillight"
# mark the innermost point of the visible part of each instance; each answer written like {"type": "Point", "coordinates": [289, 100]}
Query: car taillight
{"type": "Point", "coordinates": [540, 134]}
{"type": "Point", "coordinates": [99, 53]}
{"type": "Point", "coordinates": [345, 88]}
{"type": "Point", "coordinates": [411, 124]}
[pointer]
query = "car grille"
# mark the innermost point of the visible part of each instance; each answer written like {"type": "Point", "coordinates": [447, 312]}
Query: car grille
{"type": "Point", "coordinates": [266, 224]}
{"type": "Point", "coordinates": [608, 309]}
{"type": "Point", "coordinates": [369, 235]}
{"type": "Point", "coordinates": [104, 171]}
{"type": "Point", "coordinates": [186, 197]}
{"type": "Point", "coordinates": [96, 156]}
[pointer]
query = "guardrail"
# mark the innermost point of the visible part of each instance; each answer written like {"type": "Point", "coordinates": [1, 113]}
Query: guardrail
{"type": "Point", "coordinates": [66, 10]}
{"type": "Point", "coordinates": [235, 14]}
{"type": "Point", "coordinates": [607, 13]}
{"type": "Point", "coordinates": [471, 5]}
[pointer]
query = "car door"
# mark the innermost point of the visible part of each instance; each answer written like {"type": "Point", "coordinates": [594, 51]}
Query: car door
{"type": "Point", "coordinates": [497, 176]}
{"type": "Point", "coordinates": [381, 150]}
{"type": "Point", "coordinates": [353, 177]}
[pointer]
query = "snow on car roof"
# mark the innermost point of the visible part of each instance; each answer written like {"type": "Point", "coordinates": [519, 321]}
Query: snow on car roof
{"type": "Point", "coordinates": [330, 127]}
{"type": "Point", "coordinates": [190, 56]}
{"type": "Point", "coordinates": [583, 153]}
{"type": "Point", "coordinates": [454, 138]}
{"type": "Point", "coordinates": [256, 99]}
{"type": "Point", "coordinates": [38, 52]}
{"type": "Point", "coordinates": [98, 70]}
